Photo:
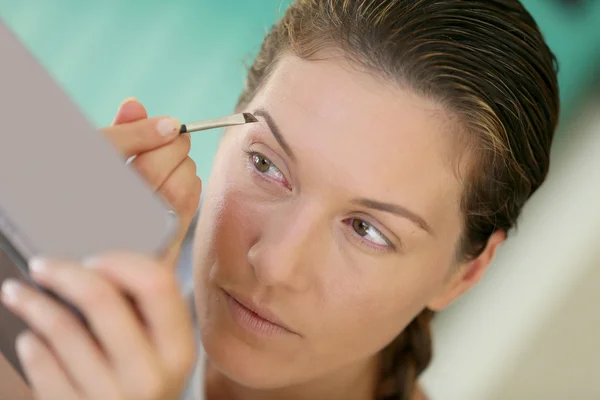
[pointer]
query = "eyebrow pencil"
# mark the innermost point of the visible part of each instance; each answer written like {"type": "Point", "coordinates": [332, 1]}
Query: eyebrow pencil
{"type": "Point", "coordinates": [235, 119]}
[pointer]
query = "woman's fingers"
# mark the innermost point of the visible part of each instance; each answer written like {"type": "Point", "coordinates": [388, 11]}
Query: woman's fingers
{"type": "Point", "coordinates": [155, 291]}
{"type": "Point", "coordinates": [182, 190]}
{"type": "Point", "coordinates": [64, 334]}
{"type": "Point", "coordinates": [143, 135]}
{"type": "Point", "coordinates": [111, 317]}
{"type": "Point", "coordinates": [142, 344]}
{"type": "Point", "coordinates": [156, 166]}
{"type": "Point", "coordinates": [43, 371]}
{"type": "Point", "coordinates": [130, 110]}
{"type": "Point", "coordinates": [165, 165]}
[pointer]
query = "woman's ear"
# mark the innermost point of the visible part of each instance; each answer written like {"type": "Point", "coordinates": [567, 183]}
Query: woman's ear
{"type": "Point", "coordinates": [468, 274]}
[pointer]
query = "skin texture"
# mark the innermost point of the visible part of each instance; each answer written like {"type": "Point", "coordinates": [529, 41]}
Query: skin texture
{"type": "Point", "coordinates": [280, 232]}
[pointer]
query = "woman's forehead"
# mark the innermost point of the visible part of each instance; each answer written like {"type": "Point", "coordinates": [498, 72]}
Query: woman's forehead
{"type": "Point", "coordinates": [349, 107]}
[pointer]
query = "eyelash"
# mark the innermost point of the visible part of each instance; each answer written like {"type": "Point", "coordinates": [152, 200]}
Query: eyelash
{"type": "Point", "coordinates": [349, 222]}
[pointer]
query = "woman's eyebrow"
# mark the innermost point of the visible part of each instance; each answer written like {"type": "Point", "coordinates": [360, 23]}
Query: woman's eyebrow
{"type": "Point", "coordinates": [261, 112]}
{"type": "Point", "coordinates": [397, 210]}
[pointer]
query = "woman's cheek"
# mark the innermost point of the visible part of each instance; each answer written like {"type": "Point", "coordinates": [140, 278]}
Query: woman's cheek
{"type": "Point", "coordinates": [238, 228]}
{"type": "Point", "coordinates": [353, 306]}
{"type": "Point", "coordinates": [375, 298]}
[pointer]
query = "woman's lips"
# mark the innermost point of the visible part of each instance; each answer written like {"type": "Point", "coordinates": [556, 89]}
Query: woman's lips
{"type": "Point", "coordinates": [254, 318]}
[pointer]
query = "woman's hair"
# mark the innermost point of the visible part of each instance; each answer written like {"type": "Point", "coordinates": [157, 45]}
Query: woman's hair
{"type": "Point", "coordinates": [487, 63]}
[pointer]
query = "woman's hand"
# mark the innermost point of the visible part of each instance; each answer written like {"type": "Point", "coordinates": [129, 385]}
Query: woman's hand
{"type": "Point", "coordinates": [144, 351]}
{"type": "Point", "coordinates": [162, 160]}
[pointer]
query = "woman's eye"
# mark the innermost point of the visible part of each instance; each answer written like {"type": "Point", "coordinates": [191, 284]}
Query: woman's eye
{"type": "Point", "coordinates": [261, 163]}
{"type": "Point", "coordinates": [265, 167]}
{"type": "Point", "coordinates": [370, 233]}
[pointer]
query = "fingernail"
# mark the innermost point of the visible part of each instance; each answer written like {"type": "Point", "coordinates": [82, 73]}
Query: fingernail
{"type": "Point", "coordinates": [10, 290]}
{"type": "Point", "coordinates": [168, 126]}
{"type": "Point", "coordinates": [127, 100]}
{"type": "Point", "coordinates": [24, 344]}
{"type": "Point", "coordinates": [38, 266]}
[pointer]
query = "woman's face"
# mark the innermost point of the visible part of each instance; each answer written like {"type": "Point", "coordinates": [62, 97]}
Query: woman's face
{"type": "Point", "coordinates": [336, 217]}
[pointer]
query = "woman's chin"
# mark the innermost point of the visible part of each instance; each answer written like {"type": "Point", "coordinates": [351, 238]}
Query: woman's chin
{"type": "Point", "coordinates": [244, 365]}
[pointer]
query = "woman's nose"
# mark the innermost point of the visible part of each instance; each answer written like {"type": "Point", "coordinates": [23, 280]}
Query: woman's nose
{"type": "Point", "coordinates": [287, 249]}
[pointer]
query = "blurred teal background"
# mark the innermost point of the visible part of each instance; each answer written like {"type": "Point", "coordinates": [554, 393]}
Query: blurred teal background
{"type": "Point", "coordinates": [185, 58]}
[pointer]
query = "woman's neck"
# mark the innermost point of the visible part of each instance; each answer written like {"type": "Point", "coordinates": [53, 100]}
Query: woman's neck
{"type": "Point", "coordinates": [355, 382]}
